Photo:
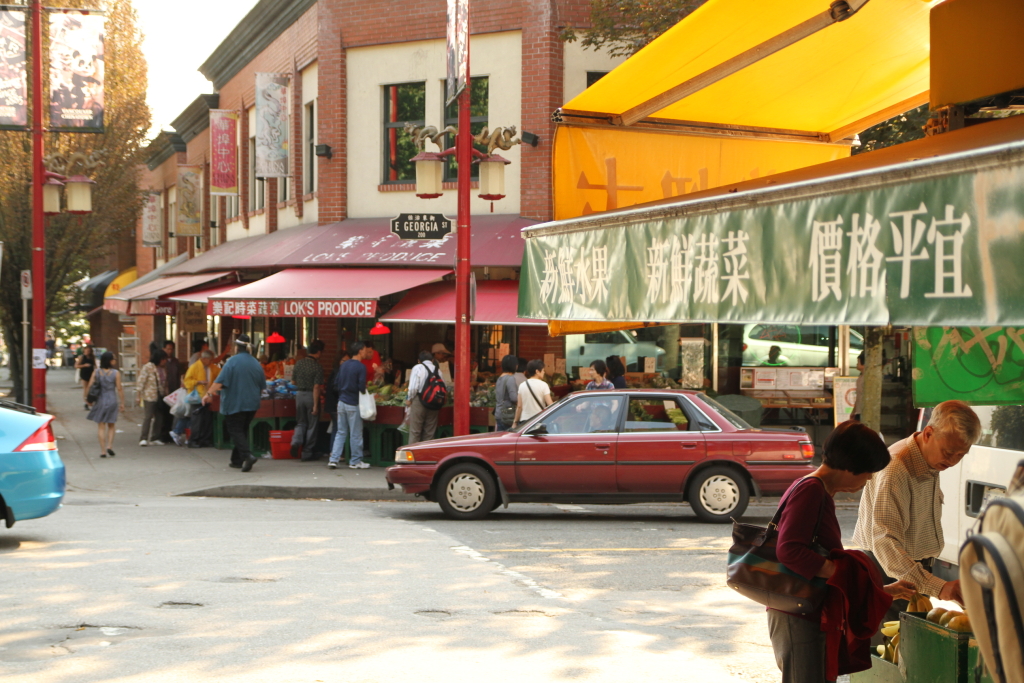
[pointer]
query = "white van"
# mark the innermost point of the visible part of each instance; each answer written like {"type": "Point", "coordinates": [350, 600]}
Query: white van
{"type": "Point", "coordinates": [985, 470]}
{"type": "Point", "coordinates": [803, 346]}
{"type": "Point", "coordinates": [583, 349]}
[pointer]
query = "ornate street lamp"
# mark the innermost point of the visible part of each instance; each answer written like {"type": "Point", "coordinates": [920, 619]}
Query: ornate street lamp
{"type": "Point", "coordinates": [430, 165]}
{"type": "Point", "coordinates": [51, 194]}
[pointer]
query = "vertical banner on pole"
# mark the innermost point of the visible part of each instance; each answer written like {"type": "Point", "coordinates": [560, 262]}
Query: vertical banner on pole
{"type": "Point", "coordinates": [272, 125]}
{"type": "Point", "coordinates": [76, 71]}
{"type": "Point", "coordinates": [223, 152]}
{"type": "Point", "coordinates": [152, 221]}
{"type": "Point", "coordinates": [190, 201]}
{"type": "Point", "coordinates": [13, 72]}
{"type": "Point", "coordinates": [458, 48]}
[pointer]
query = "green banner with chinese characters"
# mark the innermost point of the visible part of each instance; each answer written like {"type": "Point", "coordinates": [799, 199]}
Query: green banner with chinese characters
{"type": "Point", "coordinates": [980, 365]}
{"type": "Point", "coordinates": [947, 250]}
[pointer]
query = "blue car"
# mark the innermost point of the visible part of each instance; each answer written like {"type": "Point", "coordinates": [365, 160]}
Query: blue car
{"type": "Point", "coordinates": [31, 471]}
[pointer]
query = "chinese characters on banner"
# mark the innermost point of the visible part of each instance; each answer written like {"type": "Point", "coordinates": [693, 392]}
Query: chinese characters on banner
{"type": "Point", "coordinates": [13, 80]}
{"type": "Point", "coordinates": [294, 308]}
{"type": "Point", "coordinates": [272, 125]}
{"type": "Point", "coordinates": [223, 152]}
{"type": "Point", "coordinates": [190, 201]}
{"type": "Point", "coordinates": [152, 221]}
{"type": "Point", "coordinates": [458, 48]}
{"type": "Point", "coordinates": [909, 254]}
{"type": "Point", "coordinates": [76, 71]}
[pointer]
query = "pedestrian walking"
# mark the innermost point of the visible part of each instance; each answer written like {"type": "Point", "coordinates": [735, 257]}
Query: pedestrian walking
{"type": "Point", "coordinates": [506, 394]}
{"type": "Point", "coordinates": [534, 393]}
{"type": "Point", "coordinates": [242, 382]}
{"type": "Point", "coordinates": [110, 402]}
{"type": "Point", "coordinates": [152, 387]}
{"type": "Point", "coordinates": [351, 382]}
{"type": "Point", "coordinates": [422, 420]}
{"type": "Point", "coordinates": [331, 394]}
{"type": "Point", "coordinates": [809, 543]}
{"type": "Point", "coordinates": [600, 380]}
{"type": "Point", "coordinates": [86, 364]}
{"type": "Point", "coordinates": [172, 375]}
{"type": "Point", "coordinates": [308, 377]}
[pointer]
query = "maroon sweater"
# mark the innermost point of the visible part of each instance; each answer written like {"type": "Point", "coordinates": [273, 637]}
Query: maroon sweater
{"type": "Point", "coordinates": [804, 500]}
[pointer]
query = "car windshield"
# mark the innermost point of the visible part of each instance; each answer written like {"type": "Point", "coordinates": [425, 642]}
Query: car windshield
{"type": "Point", "coordinates": [731, 417]}
{"type": "Point", "coordinates": [531, 420]}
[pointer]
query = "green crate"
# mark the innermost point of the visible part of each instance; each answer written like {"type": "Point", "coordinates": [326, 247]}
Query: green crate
{"type": "Point", "coordinates": [973, 655]}
{"type": "Point", "coordinates": [931, 653]}
{"type": "Point", "coordinates": [881, 671]}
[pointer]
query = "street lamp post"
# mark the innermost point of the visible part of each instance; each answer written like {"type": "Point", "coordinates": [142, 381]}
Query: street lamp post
{"type": "Point", "coordinates": [38, 218]}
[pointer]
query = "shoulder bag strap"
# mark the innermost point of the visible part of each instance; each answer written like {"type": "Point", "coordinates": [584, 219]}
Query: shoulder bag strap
{"type": "Point", "coordinates": [527, 383]}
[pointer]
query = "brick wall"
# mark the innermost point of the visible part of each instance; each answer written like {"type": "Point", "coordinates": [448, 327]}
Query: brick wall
{"type": "Point", "coordinates": [534, 342]}
{"type": "Point", "coordinates": [332, 115]}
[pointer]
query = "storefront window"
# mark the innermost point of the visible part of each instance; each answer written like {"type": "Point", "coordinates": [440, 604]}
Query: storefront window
{"type": "Point", "coordinates": [477, 119]}
{"type": "Point", "coordinates": [492, 343]}
{"type": "Point", "coordinates": [641, 348]}
{"type": "Point", "coordinates": [798, 345]}
{"type": "Point", "coordinates": [403, 103]}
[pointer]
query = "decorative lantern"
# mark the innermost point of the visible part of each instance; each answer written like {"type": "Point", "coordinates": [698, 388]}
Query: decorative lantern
{"type": "Point", "coordinates": [492, 177]}
{"type": "Point", "coordinates": [79, 194]}
{"type": "Point", "coordinates": [429, 174]}
{"type": "Point", "coordinates": [380, 328]}
{"type": "Point", "coordinates": [276, 338]}
{"type": "Point", "coordinates": [51, 195]}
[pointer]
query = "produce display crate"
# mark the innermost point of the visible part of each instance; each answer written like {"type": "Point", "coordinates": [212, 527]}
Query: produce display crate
{"type": "Point", "coordinates": [973, 655]}
{"type": "Point", "coordinates": [281, 444]}
{"type": "Point", "coordinates": [881, 671]}
{"type": "Point", "coordinates": [930, 653]}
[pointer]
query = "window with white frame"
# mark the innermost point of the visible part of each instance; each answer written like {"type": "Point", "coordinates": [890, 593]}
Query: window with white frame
{"type": "Point", "coordinates": [309, 122]}
{"type": "Point", "coordinates": [403, 103]}
{"type": "Point", "coordinates": [478, 104]}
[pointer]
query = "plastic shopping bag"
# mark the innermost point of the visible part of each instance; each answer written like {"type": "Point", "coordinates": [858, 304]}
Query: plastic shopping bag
{"type": "Point", "coordinates": [194, 398]}
{"type": "Point", "coordinates": [175, 396]}
{"type": "Point", "coordinates": [367, 407]}
{"type": "Point", "coordinates": [181, 409]}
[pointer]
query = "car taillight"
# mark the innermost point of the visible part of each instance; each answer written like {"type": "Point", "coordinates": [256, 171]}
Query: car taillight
{"type": "Point", "coordinates": [807, 448]}
{"type": "Point", "coordinates": [744, 347]}
{"type": "Point", "coordinates": [41, 440]}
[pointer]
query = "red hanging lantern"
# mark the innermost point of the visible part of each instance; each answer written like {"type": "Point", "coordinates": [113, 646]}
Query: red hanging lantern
{"type": "Point", "coordinates": [380, 328]}
{"type": "Point", "coordinates": [276, 338]}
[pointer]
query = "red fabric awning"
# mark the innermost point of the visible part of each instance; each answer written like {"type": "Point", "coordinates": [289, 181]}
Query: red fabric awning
{"type": "Point", "coordinates": [202, 296]}
{"type": "Point", "coordinates": [319, 292]}
{"type": "Point", "coordinates": [151, 298]}
{"type": "Point", "coordinates": [364, 242]}
{"type": "Point", "coordinates": [497, 303]}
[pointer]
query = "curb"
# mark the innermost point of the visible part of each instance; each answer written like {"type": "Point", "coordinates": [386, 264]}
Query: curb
{"type": "Point", "coordinates": [302, 493]}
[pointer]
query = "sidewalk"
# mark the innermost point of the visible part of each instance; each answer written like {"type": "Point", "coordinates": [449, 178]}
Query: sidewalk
{"type": "Point", "coordinates": [173, 471]}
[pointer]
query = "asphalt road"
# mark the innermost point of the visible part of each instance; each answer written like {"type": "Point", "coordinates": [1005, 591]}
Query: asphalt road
{"type": "Point", "coordinates": [185, 589]}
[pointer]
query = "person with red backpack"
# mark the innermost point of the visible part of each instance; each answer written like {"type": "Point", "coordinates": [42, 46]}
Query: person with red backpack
{"type": "Point", "coordinates": [427, 395]}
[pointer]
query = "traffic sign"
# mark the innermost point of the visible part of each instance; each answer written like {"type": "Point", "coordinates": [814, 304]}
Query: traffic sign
{"type": "Point", "coordinates": [421, 226]}
{"type": "Point", "coordinates": [26, 284]}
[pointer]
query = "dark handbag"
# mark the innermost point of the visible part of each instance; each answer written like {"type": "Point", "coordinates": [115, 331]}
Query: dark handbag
{"type": "Point", "coordinates": [94, 391]}
{"type": "Point", "coordinates": [755, 572]}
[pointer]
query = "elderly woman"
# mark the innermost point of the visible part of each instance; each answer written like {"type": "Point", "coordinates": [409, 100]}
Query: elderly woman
{"type": "Point", "coordinates": [151, 386]}
{"type": "Point", "coordinates": [852, 453]}
{"type": "Point", "coordinates": [200, 376]}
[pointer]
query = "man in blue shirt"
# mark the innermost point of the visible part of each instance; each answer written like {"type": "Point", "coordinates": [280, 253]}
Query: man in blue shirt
{"type": "Point", "coordinates": [242, 380]}
{"type": "Point", "coordinates": [350, 382]}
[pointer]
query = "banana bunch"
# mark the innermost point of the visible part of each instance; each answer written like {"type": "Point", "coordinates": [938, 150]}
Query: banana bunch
{"type": "Point", "coordinates": [890, 651]}
{"type": "Point", "coordinates": [919, 603]}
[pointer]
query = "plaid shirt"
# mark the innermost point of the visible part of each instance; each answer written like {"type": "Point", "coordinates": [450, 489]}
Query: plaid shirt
{"type": "Point", "coordinates": [149, 384]}
{"type": "Point", "coordinates": [900, 517]}
{"type": "Point", "coordinates": [307, 374]}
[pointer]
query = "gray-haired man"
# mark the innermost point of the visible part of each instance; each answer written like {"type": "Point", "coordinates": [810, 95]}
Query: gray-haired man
{"type": "Point", "coordinates": [900, 518]}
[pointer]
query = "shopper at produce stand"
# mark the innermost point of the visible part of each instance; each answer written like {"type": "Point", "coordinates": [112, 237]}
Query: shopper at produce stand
{"type": "Point", "coordinates": [242, 382]}
{"type": "Point", "coordinates": [852, 453]}
{"type": "Point", "coordinates": [616, 372]}
{"type": "Point", "coordinates": [600, 380]}
{"type": "Point", "coordinates": [506, 394]}
{"type": "Point", "coordinates": [422, 420]}
{"type": "Point", "coordinates": [331, 394]}
{"type": "Point", "coordinates": [351, 382]}
{"type": "Point", "coordinates": [308, 377]}
{"type": "Point", "coordinates": [534, 393]}
{"type": "Point", "coordinates": [899, 522]}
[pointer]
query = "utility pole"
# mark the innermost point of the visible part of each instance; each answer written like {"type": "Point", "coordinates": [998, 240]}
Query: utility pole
{"type": "Point", "coordinates": [38, 218]}
{"type": "Point", "coordinates": [464, 156]}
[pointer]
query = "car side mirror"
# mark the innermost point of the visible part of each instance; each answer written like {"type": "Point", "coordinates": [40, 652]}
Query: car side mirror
{"type": "Point", "coordinates": [538, 429]}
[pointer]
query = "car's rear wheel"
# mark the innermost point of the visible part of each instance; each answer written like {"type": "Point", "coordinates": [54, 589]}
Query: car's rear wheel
{"type": "Point", "coordinates": [717, 494]}
{"type": "Point", "coordinates": [466, 491]}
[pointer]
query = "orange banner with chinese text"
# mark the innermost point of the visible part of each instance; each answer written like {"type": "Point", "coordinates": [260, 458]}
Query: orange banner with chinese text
{"type": "Point", "coordinates": [601, 169]}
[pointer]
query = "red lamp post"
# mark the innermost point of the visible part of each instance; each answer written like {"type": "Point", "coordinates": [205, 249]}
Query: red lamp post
{"type": "Point", "coordinates": [38, 218]}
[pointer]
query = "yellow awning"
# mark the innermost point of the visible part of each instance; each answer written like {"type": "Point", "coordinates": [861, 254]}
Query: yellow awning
{"type": "Point", "coordinates": [123, 279]}
{"type": "Point", "coordinates": [835, 82]}
{"type": "Point", "coordinates": [557, 328]}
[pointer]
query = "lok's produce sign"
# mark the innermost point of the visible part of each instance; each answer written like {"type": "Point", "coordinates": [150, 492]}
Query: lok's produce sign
{"type": "Point", "coordinates": [939, 251]}
{"type": "Point", "coordinates": [294, 308]}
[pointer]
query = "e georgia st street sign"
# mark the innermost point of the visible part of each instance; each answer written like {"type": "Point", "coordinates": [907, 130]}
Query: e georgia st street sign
{"type": "Point", "coordinates": [421, 226]}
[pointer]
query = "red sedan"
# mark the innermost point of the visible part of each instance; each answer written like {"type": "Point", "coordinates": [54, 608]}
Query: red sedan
{"type": "Point", "coordinates": [610, 447]}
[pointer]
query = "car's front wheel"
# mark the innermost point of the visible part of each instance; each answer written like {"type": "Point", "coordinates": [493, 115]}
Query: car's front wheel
{"type": "Point", "coordinates": [717, 494]}
{"type": "Point", "coordinates": [466, 491]}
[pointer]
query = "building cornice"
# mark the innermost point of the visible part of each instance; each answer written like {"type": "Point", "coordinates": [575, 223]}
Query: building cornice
{"type": "Point", "coordinates": [162, 148]}
{"type": "Point", "coordinates": [196, 117]}
{"type": "Point", "coordinates": [254, 33]}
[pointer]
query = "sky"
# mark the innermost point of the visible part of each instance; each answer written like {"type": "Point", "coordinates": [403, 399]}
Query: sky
{"type": "Point", "coordinates": [179, 37]}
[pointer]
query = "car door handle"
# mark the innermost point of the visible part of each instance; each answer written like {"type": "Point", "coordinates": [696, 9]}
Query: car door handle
{"type": "Point", "coordinates": [602, 446]}
{"type": "Point", "coordinates": [689, 445]}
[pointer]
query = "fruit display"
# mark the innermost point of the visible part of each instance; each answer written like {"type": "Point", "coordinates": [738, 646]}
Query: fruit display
{"type": "Point", "coordinates": [919, 603]}
{"type": "Point", "coordinates": [890, 650]}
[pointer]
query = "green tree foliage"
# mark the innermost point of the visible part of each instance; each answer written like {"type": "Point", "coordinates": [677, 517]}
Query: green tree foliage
{"type": "Point", "coordinates": [73, 241]}
{"type": "Point", "coordinates": [623, 27]}
{"type": "Point", "coordinates": [903, 128]}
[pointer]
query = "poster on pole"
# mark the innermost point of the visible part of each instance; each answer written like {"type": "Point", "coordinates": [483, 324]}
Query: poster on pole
{"type": "Point", "coordinates": [458, 48]}
{"type": "Point", "coordinates": [190, 201]}
{"type": "Point", "coordinates": [152, 221]}
{"type": "Point", "coordinates": [223, 152]}
{"type": "Point", "coordinates": [76, 71]}
{"type": "Point", "coordinates": [13, 78]}
{"type": "Point", "coordinates": [844, 390]}
{"type": "Point", "coordinates": [272, 125]}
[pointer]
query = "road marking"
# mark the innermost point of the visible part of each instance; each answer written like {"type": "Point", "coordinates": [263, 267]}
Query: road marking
{"type": "Point", "coordinates": [571, 508]}
{"type": "Point", "coordinates": [592, 550]}
{"type": "Point", "coordinates": [521, 579]}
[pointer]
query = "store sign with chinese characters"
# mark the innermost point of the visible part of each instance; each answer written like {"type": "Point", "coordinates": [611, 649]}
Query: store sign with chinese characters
{"type": "Point", "coordinates": [294, 308]}
{"type": "Point", "coordinates": [913, 254]}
